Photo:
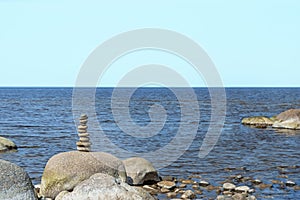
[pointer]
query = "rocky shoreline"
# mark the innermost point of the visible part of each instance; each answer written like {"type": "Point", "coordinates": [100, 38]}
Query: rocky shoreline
{"type": "Point", "coordinates": [82, 174]}
{"type": "Point", "coordinates": [146, 185]}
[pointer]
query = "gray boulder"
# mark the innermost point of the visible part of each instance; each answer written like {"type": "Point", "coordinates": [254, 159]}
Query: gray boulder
{"type": "Point", "coordinates": [6, 145]}
{"type": "Point", "coordinates": [140, 171]}
{"type": "Point", "coordinates": [15, 183]}
{"type": "Point", "coordinates": [289, 119]}
{"type": "Point", "coordinates": [66, 170]}
{"type": "Point", "coordinates": [104, 187]}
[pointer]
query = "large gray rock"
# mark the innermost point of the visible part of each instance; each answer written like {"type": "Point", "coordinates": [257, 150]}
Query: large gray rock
{"type": "Point", "coordinates": [140, 171]}
{"type": "Point", "coordinates": [15, 183]}
{"type": "Point", "coordinates": [66, 170]}
{"type": "Point", "coordinates": [6, 145]}
{"type": "Point", "coordinates": [104, 187]}
{"type": "Point", "coordinates": [289, 119]}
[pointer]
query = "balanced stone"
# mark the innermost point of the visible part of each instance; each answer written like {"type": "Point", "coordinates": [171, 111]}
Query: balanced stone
{"type": "Point", "coordinates": [82, 127]}
{"type": "Point", "coordinates": [83, 144]}
{"type": "Point", "coordinates": [83, 135]}
{"type": "Point", "coordinates": [84, 141]}
{"type": "Point", "coordinates": [83, 121]}
{"type": "Point", "coordinates": [83, 116]}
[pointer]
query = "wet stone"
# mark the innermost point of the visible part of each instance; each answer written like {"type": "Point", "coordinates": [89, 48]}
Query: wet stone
{"type": "Point", "coordinates": [290, 183]}
{"type": "Point", "coordinates": [187, 181]}
{"type": "Point", "coordinates": [257, 181]}
{"type": "Point", "coordinates": [228, 186]}
{"type": "Point", "coordinates": [189, 194]}
{"type": "Point", "coordinates": [198, 192]}
{"type": "Point", "coordinates": [166, 184]}
{"type": "Point", "coordinates": [171, 194]}
{"type": "Point", "coordinates": [204, 183]}
{"type": "Point", "coordinates": [243, 189]}
{"type": "Point", "coordinates": [164, 190]}
{"type": "Point", "coordinates": [168, 178]}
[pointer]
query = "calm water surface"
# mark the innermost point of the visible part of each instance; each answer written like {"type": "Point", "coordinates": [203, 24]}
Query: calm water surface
{"type": "Point", "coordinates": [40, 122]}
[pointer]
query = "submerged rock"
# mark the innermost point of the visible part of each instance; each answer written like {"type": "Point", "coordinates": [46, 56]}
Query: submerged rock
{"type": "Point", "coordinates": [66, 170]}
{"type": "Point", "coordinates": [105, 187]}
{"type": "Point", "coordinates": [15, 183]}
{"type": "Point", "coordinates": [6, 145]}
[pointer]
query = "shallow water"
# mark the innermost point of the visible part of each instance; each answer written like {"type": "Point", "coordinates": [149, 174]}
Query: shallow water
{"type": "Point", "coordinates": [40, 121]}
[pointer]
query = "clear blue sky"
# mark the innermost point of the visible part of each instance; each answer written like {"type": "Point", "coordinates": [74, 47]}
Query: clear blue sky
{"type": "Point", "coordinates": [251, 42]}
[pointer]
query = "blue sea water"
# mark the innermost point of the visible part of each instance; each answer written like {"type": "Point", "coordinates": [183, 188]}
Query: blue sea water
{"type": "Point", "coordinates": [40, 121]}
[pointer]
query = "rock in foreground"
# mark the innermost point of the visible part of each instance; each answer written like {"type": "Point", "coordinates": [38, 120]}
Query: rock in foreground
{"type": "Point", "coordinates": [104, 187]}
{"type": "Point", "coordinates": [140, 171]}
{"type": "Point", "coordinates": [66, 170]}
{"type": "Point", "coordinates": [15, 183]}
{"type": "Point", "coordinates": [6, 145]}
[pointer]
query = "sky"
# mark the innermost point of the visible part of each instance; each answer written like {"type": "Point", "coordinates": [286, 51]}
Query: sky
{"type": "Point", "coordinates": [252, 43]}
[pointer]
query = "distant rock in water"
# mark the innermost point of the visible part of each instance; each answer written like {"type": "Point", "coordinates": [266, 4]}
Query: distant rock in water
{"type": "Point", "coordinates": [289, 119]}
{"type": "Point", "coordinates": [15, 183]}
{"type": "Point", "coordinates": [6, 145]}
{"type": "Point", "coordinates": [258, 122]}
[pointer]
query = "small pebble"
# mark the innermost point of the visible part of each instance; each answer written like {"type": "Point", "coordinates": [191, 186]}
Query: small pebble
{"type": "Point", "coordinates": [244, 189]}
{"type": "Point", "coordinates": [257, 181]}
{"type": "Point", "coordinates": [290, 183]}
{"type": "Point", "coordinates": [195, 187]}
{"type": "Point", "coordinates": [166, 184]}
{"type": "Point", "coordinates": [164, 190]}
{"type": "Point", "coordinates": [204, 183]}
{"type": "Point", "coordinates": [182, 186]}
{"type": "Point", "coordinates": [187, 181]}
{"type": "Point", "coordinates": [276, 182]}
{"type": "Point", "coordinates": [189, 194]}
{"type": "Point", "coordinates": [198, 192]}
{"type": "Point", "coordinates": [168, 178]}
{"type": "Point", "coordinates": [171, 194]}
{"type": "Point", "coordinates": [228, 186]}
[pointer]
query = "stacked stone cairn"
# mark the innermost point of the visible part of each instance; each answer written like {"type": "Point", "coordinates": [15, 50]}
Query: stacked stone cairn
{"type": "Point", "coordinates": [83, 144]}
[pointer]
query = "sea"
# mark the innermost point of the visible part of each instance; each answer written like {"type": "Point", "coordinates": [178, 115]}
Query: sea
{"type": "Point", "coordinates": [42, 122]}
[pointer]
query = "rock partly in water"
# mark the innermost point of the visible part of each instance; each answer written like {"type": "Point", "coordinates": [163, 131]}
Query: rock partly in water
{"type": "Point", "coordinates": [15, 183]}
{"type": "Point", "coordinates": [228, 186]}
{"type": "Point", "coordinates": [66, 170]}
{"type": "Point", "coordinates": [104, 187]}
{"type": "Point", "coordinates": [258, 122]}
{"type": "Point", "coordinates": [167, 184]}
{"type": "Point", "coordinates": [6, 145]}
{"type": "Point", "coordinates": [289, 119]}
{"type": "Point", "coordinates": [243, 189]}
{"type": "Point", "coordinates": [189, 194]}
{"type": "Point", "coordinates": [140, 171]}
